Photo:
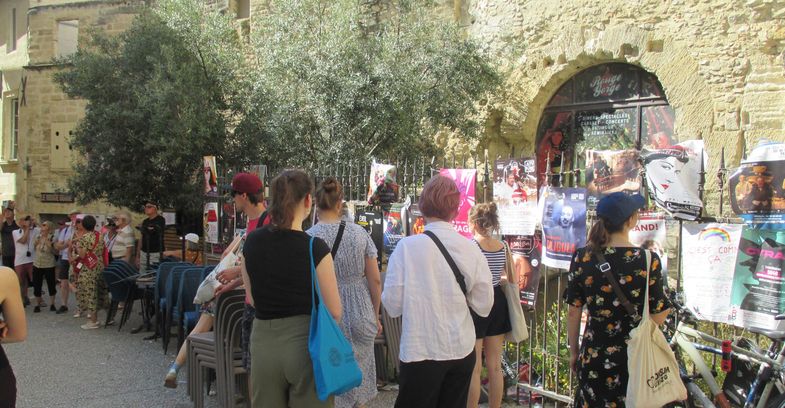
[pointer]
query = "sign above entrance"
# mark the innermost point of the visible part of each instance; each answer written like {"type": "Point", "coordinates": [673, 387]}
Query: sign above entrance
{"type": "Point", "coordinates": [57, 197]}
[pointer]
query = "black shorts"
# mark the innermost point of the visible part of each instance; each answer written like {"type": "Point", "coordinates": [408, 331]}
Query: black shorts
{"type": "Point", "coordinates": [498, 320]}
{"type": "Point", "coordinates": [245, 335]}
{"type": "Point", "coordinates": [62, 269]}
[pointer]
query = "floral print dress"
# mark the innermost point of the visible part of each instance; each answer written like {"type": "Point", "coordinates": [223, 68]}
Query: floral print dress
{"type": "Point", "coordinates": [92, 293]}
{"type": "Point", "coordinates": [602, 362]}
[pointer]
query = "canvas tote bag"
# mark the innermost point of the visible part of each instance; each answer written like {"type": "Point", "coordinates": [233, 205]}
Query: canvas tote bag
{"type": "Point", "coordinates": [520, 331]}
{"type": "Point", "coordinates": [654, 373]}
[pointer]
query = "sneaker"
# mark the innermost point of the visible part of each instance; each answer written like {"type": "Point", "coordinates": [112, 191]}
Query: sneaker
{"type": "Point", "coordinates": [26, 301]}
{"type": "Point", "coordinates": [90, 326]}
{"type": "Point", "coordinates": [37, 309]}
{"type": "Point", "coordinates": [171, 379]}
{"type": "Point", "coordinates": [62, 309]}
{"type": "Point", "coordinates": [52, 308]}
{"type": "Point", "coordinates": [78, 314]}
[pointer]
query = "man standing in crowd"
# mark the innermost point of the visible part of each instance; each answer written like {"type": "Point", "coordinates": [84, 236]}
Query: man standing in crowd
{"type": "Point", "coordinates": [123, 245]}
{"type": "Point", "coordinates": [24, 254]}
{"type": "Point", "coordinates": [152, 246]}
{"type": "Point", "coordinates": [63, 244]}
{"type": "Point", "coordinates": [9, 225]}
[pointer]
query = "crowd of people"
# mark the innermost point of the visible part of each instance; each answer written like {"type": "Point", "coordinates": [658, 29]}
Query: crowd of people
{"type": "Point", "coordinates": [445, 287]}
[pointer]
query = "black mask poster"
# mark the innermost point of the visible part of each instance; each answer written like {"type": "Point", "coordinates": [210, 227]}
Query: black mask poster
{"type": "Point", "coordinates": [526, 252]}
{"type": "Point", "coordinates": [563, 224]}
{"type": "Point", "coordinates": [757, 187]}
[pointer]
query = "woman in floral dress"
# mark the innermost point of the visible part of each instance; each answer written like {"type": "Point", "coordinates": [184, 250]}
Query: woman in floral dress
{"type": "Point", "coordinates": [601, 364]}
{"type": "Point", "coordinates": [93, 293]}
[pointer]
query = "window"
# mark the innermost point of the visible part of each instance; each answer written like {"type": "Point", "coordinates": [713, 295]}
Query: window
{"type": "Point", "coordinates": [14, 153]}
{"type": "Point", "coordinates": [606, 107]}
{"type": "Point", "coordinates": [67, 37]}
{"type": "Point", "coordinates": [12, 34]}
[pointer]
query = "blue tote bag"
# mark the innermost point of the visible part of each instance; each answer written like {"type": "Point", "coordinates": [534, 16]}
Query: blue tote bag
{"type": "Point", "coordinates": [334, 367]}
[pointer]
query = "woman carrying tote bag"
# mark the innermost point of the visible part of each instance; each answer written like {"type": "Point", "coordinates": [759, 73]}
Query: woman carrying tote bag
{"type": "Point", "coordinates": [607, 265]}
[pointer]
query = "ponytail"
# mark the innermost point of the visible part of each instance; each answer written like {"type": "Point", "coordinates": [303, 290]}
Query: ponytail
{"type": "Point", "coordinates": [329, 194]}
{"type": "Point", "coordinates": [600, 233]}
{"type": "Point", "coordinates": [288, 189]}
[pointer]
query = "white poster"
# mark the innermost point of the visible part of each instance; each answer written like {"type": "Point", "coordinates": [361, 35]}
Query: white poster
{"type": "Point", "coordinates": [211, 222]}
{"type": "Point", "coordinates": [673, 175]}
{"type": "Point", "coordinates": [650, 233]}
{"type": "Point", "coordinates": [515, 194]}
{"type": "Point", "coordinates": [709, 256]}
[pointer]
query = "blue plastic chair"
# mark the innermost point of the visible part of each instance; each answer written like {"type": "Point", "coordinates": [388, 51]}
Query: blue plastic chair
{"type": "Point", "coordinates": [169, 304]}
{"type": "Point", "coordinates": [187, 313]}
{"type": "Point", "coordinates": [207, 270]}
{"type": "Point", "coordinates": [115, 282]}
{"type": "Point", "coordinates": [164, 269]}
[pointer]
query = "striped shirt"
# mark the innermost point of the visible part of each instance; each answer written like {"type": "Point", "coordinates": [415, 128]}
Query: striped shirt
{"type": "Point", "coordinates": [496, 261]}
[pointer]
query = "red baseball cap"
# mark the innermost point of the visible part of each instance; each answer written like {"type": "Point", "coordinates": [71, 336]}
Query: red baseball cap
{"type": "Point", "coordinates": [247, 183]}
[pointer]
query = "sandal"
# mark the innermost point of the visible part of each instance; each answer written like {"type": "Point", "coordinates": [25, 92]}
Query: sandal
{"type": "Point", "coordinates": [91, 326]}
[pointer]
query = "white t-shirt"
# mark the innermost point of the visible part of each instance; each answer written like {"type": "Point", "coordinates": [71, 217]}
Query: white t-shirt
{"type": "Point", "coordinates": [64, 235]}
{"type": "Point", "coordinates": [21, 258]}
{"type": "Point", "coordinates": [123, 240]}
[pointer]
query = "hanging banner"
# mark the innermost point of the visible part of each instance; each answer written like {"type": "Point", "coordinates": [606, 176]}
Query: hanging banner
{"type": "Point", "coordinates": [211, 222]}
{"type": "Point", "coordinates": [611, 171]}
{"type": "Point", "coordinates": [650, 233]}
{"type": "Point", "coordinates": [673, 175]}
{"type": "Point", "coordinates": [416, 222]}
{"type": "Point", "coordinates": [465, 180]}
{"type": "Point", "coordinates": [394, 227]}
{"type": "Point", "coordinates": [210, 176]}
{"type": "Point", "coordinates": [709, 256]}
{"type": "Point", "coordinates": [563, 224]}
{"type": "Point", "coordinates": [758, 284]}
{"type": "Point", "coordinates": [757, 187]}
{"type": "Point", "coordinates": [526, 253]}
{"type": "Point", "coordinates": [515, 194]}
{"type": "Point", "coordinates": [382, 187]}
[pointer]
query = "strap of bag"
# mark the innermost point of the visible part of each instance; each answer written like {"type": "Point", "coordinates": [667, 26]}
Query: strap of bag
{"type": "Point", "coordinates": [508, 265]}
{"type": "Point", "coordinates": [648, 271]}
{"type": "Point", "coordinates": [314, 280]}
{"type": "Point", "coordinates": [263, 217]}
{"type": "Point", "coordinates": [338, 239]}
{"type": "Point", "coordinates": [450, 261]}
{"type": "Point", "coordinates": [605, 268]}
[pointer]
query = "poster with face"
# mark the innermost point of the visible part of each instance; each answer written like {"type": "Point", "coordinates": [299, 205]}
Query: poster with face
{"type": "Point", "coordinates": [673, 175]}
{"type": "Point", "coordinates": [416, 224]}
{"type": "Point", "coordinates": [211, 222]}
{"type": "Point", "coordinates": [709, 256]}
{"type": "Point", "coordinates": [758, 292]}
{"type": "Point", "coordinates": [515, 194]}
{"type": "Point", "coordinates": [757, 187]}
{"type": "Point", "coordinates": [650, 233]}
{"type": "Point", "coordinates": [394, 227]}
{"type": "Point", "coordinates": [210, 176]}
{"type": "Point", "coordinates": [378, 173]}
{"type": "Point", "coordinates": [465, 179]}
{"type": "Point", "coordinates": [563, 224]}
{"type": "Point", "coordinates": [526, 253]}
{"type": "Point", "coordinates": [611, 171]}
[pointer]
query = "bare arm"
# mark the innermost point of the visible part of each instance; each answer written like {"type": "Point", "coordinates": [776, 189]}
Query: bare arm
{"type": "Point", "coordinates": [245, 279]}
{"type": "Point", "coordinates": [328, 285]}
{"type": "Point", "coordinates": [374, 283]}
{"type": "Point", "coordinates": [25, 236]}
{"type": "Point", "coordinates": [573, 331]}
{"type": "Point", "coordinates": [660, 317]}
{"type": "Point", "coordinates": [13, 311]}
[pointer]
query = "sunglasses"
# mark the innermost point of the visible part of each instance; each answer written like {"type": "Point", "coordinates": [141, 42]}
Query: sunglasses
{"type": "Point", "coordinates": [149, 206]}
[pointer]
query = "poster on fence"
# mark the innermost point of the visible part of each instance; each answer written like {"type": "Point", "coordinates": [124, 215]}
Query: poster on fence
{"type": "Point", "coordinates": [515, 194]}
{"type": "Point", "coordinates": [757, 187]}
{"type": "Point", "coordinates": [382, 185]}
{"type": "Point", "coordinates": [465, 180]}
{"type": "Point", "coordinates": [394, 226]}
{"type": "Point", "coordinates": [673, 175]}
{"type": "Point", "coordinates": [563, 224]}
{"type": "Point", "coordinates": [650, 233]}
{"type": "Point", "coordinates": [758, 284]}
{"type": "Point", "coordinates": [211, 222]}
{"type": "Point", "coordinates": [709, 256]}
{"type": "Point", "coordinates": [210, 176]}
{"type": "Point", "coordinates": [611, 171]}
{"type": "Point", "coordinates": [371, 221]}
{"type": "Point", "coordinates": [526, 251]}
{"type": "Point", "coordinates": [416, 222]}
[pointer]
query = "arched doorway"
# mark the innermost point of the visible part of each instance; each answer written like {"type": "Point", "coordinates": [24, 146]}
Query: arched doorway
{"type": "Point", "coordinates": [613, 106]}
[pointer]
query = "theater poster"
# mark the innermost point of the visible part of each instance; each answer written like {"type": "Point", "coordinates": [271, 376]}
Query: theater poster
{"type": "Point", "coordinates": [465, 179]}
{"type": "Point", "coordinates": [611, 171]}
{"type": "Point", "coordinates": [416, 224]}
{"type": "Point", "coordinates": [757, 187]}
{"type": "Point", "coordinates": [563, 224]}
{"type": "Point", "coordinates": [650, 233]}
{"type": "Point", "coordinates": [526, 254]}
{"type": "Point", "coordinates": [673, 175]}
{"type": "Point", "coordinates": [709, 256]}
{"type": "Point", "coordinates": [211, 222]}
{"type": "Point", "coordinates": [394, 226]}
{"type": "Point", "coordinates": [210, 176]}
{"type": "Point", "coordinates": [515, 195]}
{"type": "Point", "coordinates": [378, 172]}
{"type": "Point", "coordinates": [758, 293]}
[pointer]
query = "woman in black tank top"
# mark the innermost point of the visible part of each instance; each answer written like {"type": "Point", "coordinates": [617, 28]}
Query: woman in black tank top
{"type": "Point", "coordinates": [13, 328]}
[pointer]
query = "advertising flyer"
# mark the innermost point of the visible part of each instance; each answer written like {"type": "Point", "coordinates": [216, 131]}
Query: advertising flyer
{"type": "Point", "coordinates": [526, 252]}
{"type": "Point", "coordinates": [611, 171]}
{"type": "Point", "coordinates": [709, 256]}
{"type": "Point", "coordinates": [757, 187]}
{"type": "Point", "coordinates": [394, 227]}
{"type": "Point", "coordinates": [210, 176]}
{"type": "Point", "coordinates": [378, 173]}
{"type": "Point", "coordinates": [416, 224]}
{"type": "Point", "coordinates": [211, 222]}
{"type": "Point", "coordinates": [563, 224]}
{"type": "Point", "coordinates": [371, 221]}
{"type": "Point", "coordinates": [650, 233]}
{"type": "Point", "coordinates": [465, 179]}
{"type": "Point", "coordinates": [515, 194]}
{"type": "Point", "coordinates": [673, 175]}
{"type": "Point", "coordinates": [758, 294]}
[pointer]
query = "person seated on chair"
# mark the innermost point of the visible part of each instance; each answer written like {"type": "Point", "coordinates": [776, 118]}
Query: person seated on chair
{"type": "Point", "coordinates": [193, 253]}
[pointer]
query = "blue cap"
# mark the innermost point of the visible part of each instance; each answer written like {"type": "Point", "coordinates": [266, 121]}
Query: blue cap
{"type": "Point", "coordinates": [618, 207]}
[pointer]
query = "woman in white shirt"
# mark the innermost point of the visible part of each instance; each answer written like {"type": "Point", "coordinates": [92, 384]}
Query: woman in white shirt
{"type": "Point", "coordinates": [438, 339]}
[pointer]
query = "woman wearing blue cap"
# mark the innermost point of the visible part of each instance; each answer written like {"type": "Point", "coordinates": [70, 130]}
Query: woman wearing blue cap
{"type": "Point", "coordinates": [601, 364]}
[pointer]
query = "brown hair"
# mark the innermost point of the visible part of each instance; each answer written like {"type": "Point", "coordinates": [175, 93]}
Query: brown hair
{"type": "Point", "coordinates": [600, 233]}
{"type": "Point", "coordinates": [440, 198]}
{"type": "Point", "coordinates": [485, 218]}
{"type": "Point", "coordinates": [329, 194]}
{"type": "Point", "coordinates": [287, 190]}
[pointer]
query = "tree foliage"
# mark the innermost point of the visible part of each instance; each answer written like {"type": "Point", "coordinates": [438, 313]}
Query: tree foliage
{"type": "Point", "coordinates": [159, 96]}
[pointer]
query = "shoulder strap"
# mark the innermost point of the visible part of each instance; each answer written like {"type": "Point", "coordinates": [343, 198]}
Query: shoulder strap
{"type": "Point", "coordinates": [338, 239]}
{"type": "Point", "coordinates": [605, 268]}
{"type": "Point", "coordinates": [450, 261]}
{"type": "Point", "coordinates": [263, 217]}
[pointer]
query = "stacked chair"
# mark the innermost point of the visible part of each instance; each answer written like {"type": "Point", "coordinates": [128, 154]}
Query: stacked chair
{"type": "Point", "coordinates": [219, 350]}
{"type": "Point", "coordinates": [120, 278]}
{"type": "Point", "coordinates": [169, 301]}
{"type": "Point", "coordinates": [392, 337]}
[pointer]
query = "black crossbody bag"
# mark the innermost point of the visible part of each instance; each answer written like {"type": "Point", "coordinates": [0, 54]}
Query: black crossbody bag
{"type": "Point", "coordinates": [338, 239]}
{"type": "Point", "coordinates": [605, 268]}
